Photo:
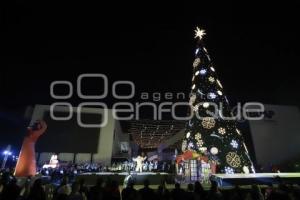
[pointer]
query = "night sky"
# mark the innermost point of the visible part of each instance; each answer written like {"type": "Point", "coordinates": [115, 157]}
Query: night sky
{"type": "Point", "coordinates": [254, 48]}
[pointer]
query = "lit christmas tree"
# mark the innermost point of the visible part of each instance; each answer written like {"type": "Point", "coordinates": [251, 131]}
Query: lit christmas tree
{"type": "Point", "coordinates": [208, 134]}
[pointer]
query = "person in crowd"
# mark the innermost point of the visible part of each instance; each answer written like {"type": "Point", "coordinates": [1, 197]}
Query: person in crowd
{"type": "Point", "coordinates": [146, 193]}
{"type": "Point", "coordinates": [129, 193]}
{"type": "Point", "coordinates": [236, 194]}
{"type": "Point", "coordinates": [26, 188]}
{"type": "Point", "coordinates": [83, 188]}
{"type": "Point", "coordinates": [177, 193]}
{"type": "Point", "coordinates": [37, 191]}
{"type": "Point", "coordinates": [214, 192]}
{"type": "Point", "coordinates": [112, 191]}
{"type": "Point", "coordinates": [282, 192]}
{"type": "Point", "coordinates": [11, 191]}
{"type": "Point", "coordinates": [189, 195]}
{"type": "Point", "coordinates": [2, 184]}
{"type": "Point", "coordinates": [199, 191]}
{"type": "Point", "coordinates": [162, 192]}
{"type": "Point", "coordinates": [97, 191]}
{"type": "Point", "coordinates": [255, 193]}
{"type": "Point", "coordinates": [75, 194]}
{"type": "Point", "coordinates": [64, 190]}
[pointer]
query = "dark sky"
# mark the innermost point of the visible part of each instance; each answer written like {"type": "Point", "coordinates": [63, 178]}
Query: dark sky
{"type": "Point", "coordinates": [254, 48]}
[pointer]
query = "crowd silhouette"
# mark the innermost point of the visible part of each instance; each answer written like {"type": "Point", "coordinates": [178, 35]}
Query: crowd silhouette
{"type": "Point", "coordinates": [36, 189]}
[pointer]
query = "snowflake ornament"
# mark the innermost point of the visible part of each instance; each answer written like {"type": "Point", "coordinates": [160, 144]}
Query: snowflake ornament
{"type": "Point", "coordinates": [229, 170]}
{"type": "Point", "coordinates": [208, 122]}
{"type": "Point", "coordinates": [199, 143]}
{"type": "Point", "coordinates": [211, 95]}
{"type": "Point", "coordinates": [234, 144]}
{"type": "Point", "coordinates": [190, 146]}
{"type": "Point", "coordinates": [221, 130]}
{"type": "Point", "coordinates": [203, 71]}
{"type": "Point", "coordinates": [233, 159]}
{"type": "Point", "coordinates": [195, 108]}
{"type": "Point", "coordinates": [198, 136]}
{"type": "Point", "coordinates": [211, 79]}
{"type": "Point", "coordinates": [196, 62]}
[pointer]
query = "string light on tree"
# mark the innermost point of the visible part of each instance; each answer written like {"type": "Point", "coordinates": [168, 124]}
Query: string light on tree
{"type": "Point", "coordinates": [220, 93]}
{"type": "Point", "coordinates": [246, 149]}
{"type": "Point", "coordinates": [188, 134]}
{"type": "Point", "coordinates": [219, 83]}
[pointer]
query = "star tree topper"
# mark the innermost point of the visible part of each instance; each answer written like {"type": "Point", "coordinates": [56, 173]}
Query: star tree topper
{"type": "Point", "coordinates": [199, 33]}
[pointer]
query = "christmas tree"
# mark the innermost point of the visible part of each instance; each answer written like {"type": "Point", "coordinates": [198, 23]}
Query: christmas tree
{"type": "Point", "coordinates": [209, 132]}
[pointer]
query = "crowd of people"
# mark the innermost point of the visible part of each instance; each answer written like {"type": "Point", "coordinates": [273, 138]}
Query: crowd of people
{"type": "Point", "coordinates": [71, 169]}
{"type": "Point", "coordinates": [36, 189]}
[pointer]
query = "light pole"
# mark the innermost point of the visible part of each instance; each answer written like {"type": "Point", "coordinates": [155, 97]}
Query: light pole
{"type": "Point", "coordinates": [7, 152]}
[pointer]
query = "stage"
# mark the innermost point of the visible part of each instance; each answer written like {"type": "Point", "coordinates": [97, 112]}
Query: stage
{"type": "Point", "coordinates": [155, 178]}
{"type": "Point", "coordinates": [225, 180]}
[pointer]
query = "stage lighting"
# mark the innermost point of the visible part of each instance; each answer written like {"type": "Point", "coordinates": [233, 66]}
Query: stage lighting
{"type": "Point", "coordinates": [7, 153]}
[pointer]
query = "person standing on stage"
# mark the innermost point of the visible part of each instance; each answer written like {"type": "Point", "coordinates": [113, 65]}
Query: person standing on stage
{"type": "Point", "coordinates": [139, 162]}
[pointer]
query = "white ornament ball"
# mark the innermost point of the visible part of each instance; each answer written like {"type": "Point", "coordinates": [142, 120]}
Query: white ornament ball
{"type": "Point", "coordinates": [214, 150]}
{"type": "Point", "coordinates": [205, 104]}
